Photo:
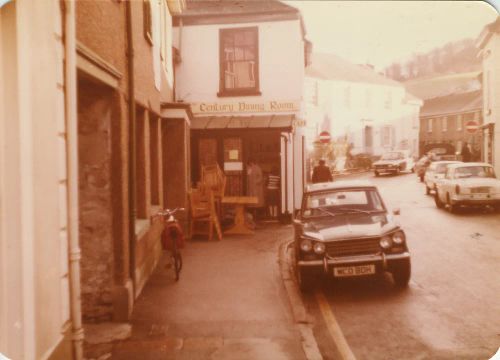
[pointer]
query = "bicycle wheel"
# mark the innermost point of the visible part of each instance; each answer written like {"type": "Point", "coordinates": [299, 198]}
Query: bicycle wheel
{"type": "Point", "coordinates": [177, 265]}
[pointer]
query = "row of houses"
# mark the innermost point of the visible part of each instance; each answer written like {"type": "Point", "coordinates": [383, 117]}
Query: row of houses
{"type": "Point", "coordinates": [108, 109]}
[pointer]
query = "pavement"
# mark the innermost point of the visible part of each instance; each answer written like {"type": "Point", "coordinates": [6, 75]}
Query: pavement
{"type": "Point", "coordinates": [230, 303]}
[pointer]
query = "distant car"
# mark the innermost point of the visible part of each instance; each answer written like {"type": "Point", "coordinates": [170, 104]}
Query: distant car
{"type": "Point", "coordinates": [421, 166]}
{"type": "Point", "coordinates": [434, 172]}
{"type": "Point", "coordinates": [468, 184]}
{"type": "Point", "coordinates": [394, 162]}
{"type": "Point", "coordinates": [344, 229]}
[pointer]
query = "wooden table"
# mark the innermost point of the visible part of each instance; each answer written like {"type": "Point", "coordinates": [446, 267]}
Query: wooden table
{"type": "Point", "coordinates": [239, 227]}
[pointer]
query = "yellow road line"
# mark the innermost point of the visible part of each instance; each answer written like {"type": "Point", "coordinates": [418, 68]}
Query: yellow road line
{"type": "Point", "coordinates": [333, 327]}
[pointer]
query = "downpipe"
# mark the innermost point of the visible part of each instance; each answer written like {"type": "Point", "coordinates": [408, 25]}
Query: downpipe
{"type": "Point", "coordinates": [72, 162]}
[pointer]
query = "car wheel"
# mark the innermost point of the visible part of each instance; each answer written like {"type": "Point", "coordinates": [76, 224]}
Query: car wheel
{"type": "Point", "coordinates": [427, 190]}
{"type": "Point", "coordinates": [451, 207]}
{"type": "Point", "coordinates": [437, 200]}
{"type": "Point", "coordinates": [421, 178]}
{"type": "Point", "coordinates": [413, 169]}
{"type": "Point", "coordinates": [397, 171]}
{"type": "Point", "coordinates": [377, 174]}
{"type": "Point", "coordinates": [305, 281]}
{"type": "Point", "coordinates": [401, 275]}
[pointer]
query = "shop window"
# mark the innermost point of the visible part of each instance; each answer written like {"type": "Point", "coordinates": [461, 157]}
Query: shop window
{"type": "Point", "coordinates": [239, 62]}
{"type": "Point", "coordinates": [154, 151]}
{"type": "Point", "coordinates": [147, 21]}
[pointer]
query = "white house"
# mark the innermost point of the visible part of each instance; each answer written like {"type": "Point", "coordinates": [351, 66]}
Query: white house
{"type": "Point", "coordinates": [489, 45]}
{"type": "Point", "coordinates": [375, 113]}
{"type": "Point", "coordinates": [240, 65]}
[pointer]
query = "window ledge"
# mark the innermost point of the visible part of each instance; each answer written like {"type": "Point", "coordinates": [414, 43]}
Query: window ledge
{"type": "Point", "coordinates": [141, 227]}
{"type": "Point", "coordinates": [239, 93]}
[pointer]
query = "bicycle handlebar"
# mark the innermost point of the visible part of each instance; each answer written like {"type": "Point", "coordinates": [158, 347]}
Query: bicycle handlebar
{"type": "Point", "coordinates": [168, 212]}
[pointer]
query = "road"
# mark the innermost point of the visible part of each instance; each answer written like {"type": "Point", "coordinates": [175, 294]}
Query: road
{"type": "Point", "coordinates": [451, 309]}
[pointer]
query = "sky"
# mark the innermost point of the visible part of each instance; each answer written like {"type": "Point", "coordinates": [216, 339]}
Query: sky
{"type": "Point", "coordinates": [382, 32]}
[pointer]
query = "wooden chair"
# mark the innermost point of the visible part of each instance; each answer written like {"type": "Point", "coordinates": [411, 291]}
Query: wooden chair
{"type": "Point", "coordinates": [203, 212]}
{"type": "Point", "coordinates": [214, 179]}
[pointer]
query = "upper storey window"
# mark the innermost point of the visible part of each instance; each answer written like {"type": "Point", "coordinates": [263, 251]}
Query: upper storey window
{"type": "Point", "coordinates": [239, 62]}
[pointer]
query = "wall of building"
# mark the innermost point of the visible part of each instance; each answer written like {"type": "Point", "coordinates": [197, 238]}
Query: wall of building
{"type": "Point", "coordinates": [491, 92]}
{"type": "Point", "coordinates": [279, 43]}
{"type": "Point", "coordinates": [35, 297]}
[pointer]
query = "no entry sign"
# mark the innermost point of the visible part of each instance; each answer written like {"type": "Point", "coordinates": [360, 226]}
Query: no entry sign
{"type": "Point", "coordinates": [324, 137]}
{"type": "Point", "coordinates": [471, 126]}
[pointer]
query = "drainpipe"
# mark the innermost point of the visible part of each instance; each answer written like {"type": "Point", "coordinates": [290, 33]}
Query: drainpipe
{"type": "Point", "coordinates": [72, 162]}
{"type": "Point", "coordinates": [131, 144]}
{"type": "Point", "coordinates": [286, 214]}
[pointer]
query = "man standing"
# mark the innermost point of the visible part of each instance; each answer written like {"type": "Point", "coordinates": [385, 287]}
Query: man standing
{"type": "Point", "coordinates": [321, 173]}
{"type": "Point", "coordinates": [466, 154]}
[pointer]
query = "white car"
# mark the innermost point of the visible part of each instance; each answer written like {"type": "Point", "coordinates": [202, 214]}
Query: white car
{"type": "Point", "coordinates": [394, 162]}
{"type": "Point", "coordinates": [468, 184]}
{"type": "Point", "coordinates": [434, 172]}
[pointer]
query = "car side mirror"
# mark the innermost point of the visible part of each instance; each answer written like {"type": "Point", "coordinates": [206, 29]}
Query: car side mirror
{"type": "Point", "coordinates": [396, 211]}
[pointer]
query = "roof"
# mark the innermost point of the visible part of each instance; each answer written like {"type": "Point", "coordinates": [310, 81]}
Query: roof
{"type": "Point", "coordinates": [332, 67]}
{"type": "Point", "coordinates": [283, 122]}
{"type": "Point", "coordinates": [335, 185]}
{"type": "Point", "coordinates": [234, 11]}
{"type": "Point", "coordinates": [453, 104]}
{"type": "Point", "coordinates": [432, 87]}
{"type": "Point", "coordinates": [488, 30]}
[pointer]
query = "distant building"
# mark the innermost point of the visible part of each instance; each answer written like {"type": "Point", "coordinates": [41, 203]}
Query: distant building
{"type": "Point", "coordinates": [374, 113]}
{"type": "Point", "coordinates": [447, 122]}
{"type": "Point", "coordinates": [241, 67]}
{"type": "Point", "coordinates": [489, 45]}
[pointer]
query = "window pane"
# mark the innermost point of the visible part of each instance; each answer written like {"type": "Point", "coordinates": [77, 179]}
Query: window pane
{"type": "Point", "coordinates": [239, 53]}
{"type": "Point", "coordinates": [249, 38]}
{"type": "Point", "coordinates": [244, 71]}
{"type": "Point", "coordinates": [249, 54]}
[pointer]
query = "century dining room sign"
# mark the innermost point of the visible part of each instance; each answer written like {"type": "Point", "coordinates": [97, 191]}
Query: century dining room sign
{"type": "Point", "coordinates": [245, 107]}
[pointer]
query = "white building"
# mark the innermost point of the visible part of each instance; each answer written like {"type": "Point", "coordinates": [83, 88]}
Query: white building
{"type": "Point", "coordinates": [375, 113]}
{"type": "Point", "coordinates": [241, 67]}
{"type": "Point", "coordinates": [489, 44]}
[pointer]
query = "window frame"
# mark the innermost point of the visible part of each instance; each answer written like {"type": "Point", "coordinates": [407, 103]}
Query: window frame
{"type": "Point", "coordinates": [147, 21]}
{"type": "Point", "coordinates": [253, 91]}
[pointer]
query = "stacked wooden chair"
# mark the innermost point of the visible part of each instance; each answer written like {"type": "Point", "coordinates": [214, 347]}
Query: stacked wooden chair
{"type": "Point", "coordinates": [204, 219]}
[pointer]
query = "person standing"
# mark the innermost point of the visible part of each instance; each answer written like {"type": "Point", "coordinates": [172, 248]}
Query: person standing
{"type": "Point", "coordinates": [255, 186]}
{"type": "Point", "coordinates": [321, 173]}
{"type": "Point", "coordinates": [466, 153]}
{"type": "Point", "coordinates": [273, 188]}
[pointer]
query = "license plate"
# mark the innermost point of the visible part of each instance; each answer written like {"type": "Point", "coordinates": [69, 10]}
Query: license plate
{"type": "Point", "coordinates": [359, 270]}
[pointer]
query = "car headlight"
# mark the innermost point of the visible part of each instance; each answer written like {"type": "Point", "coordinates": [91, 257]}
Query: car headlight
{"type": "Point", "coordinates": [306, 245]}
{"type": "Point", "coordinates": [319, 248]}
{"type": "Point", "coordinates": [386, 242]}
{"type": "Point", "coordinates": [398, 238]}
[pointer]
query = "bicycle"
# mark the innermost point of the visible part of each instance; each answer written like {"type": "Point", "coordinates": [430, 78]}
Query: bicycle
{"type": "Point", "coordinates": [172, 238]}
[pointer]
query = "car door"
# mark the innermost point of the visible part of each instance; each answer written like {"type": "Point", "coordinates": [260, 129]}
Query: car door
{"type": "Point", "coordinates": [444, 185]}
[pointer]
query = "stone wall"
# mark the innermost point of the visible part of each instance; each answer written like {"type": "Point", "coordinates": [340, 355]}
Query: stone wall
{"type": "Point", "coordinates": [95, 111]}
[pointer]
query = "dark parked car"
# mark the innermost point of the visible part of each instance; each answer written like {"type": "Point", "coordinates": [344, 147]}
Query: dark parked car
{"type": "Point", "coordinates": [344, 229]}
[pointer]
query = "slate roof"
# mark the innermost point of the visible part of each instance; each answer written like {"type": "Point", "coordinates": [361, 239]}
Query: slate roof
{"type": "Point", "coordinates": [332, 67]}
{"type": "Point", "coordinates": [452, 104]}
{"type": "Point", "coordinates": [235, 7]}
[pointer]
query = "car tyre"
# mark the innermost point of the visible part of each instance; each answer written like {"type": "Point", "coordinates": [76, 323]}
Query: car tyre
{"type": "Point", "coordinates": [427, 190]}
{"type": "Point", "coordinates": [305, 281]}
{"type": "Point", "coordinates": [377, 174]}
{"type": "Point", "coordinates": [451, 207]}
{"type": "Point", "coordinates": [421, 178]}
{"type": "Point", "coordinates": [401, 275]}
{"type": "Point", "coordinates": [437, 200]}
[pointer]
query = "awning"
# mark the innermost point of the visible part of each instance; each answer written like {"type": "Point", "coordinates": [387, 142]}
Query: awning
{"type": "Point", "coordinates": [282, 122]}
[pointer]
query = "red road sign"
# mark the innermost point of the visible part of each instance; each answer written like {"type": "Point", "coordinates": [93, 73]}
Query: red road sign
{"type": "Point", "coordinates": [471, 126]}
{"type": "Point", "coordinates": [324, 137]}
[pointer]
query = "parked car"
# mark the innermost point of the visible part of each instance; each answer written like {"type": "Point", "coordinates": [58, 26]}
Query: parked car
{"type": "Point", "coordinates": [436, 171]}
{"type": "Point", "coordinates": [468, 184]}
{"type": "Point", "coordinates": [421, 166]}
{"type": "Point", "coordinates": [344, 229]}
{"type": "Point", "coordinates": [394, 162]}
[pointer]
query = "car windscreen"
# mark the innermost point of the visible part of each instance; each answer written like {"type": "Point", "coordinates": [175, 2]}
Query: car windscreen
{"type": "Point", "coordinates": [342, 201]}
{"type": "Point", "coordinates": [474, 171]}
{"type": "Point", "coordinates": [392, 156]}
{"type": "Point", "coordinates": [441, 168]}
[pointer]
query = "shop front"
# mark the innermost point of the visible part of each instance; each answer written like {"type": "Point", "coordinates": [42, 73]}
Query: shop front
{"type": "Point", "coordinates": [268, 140]}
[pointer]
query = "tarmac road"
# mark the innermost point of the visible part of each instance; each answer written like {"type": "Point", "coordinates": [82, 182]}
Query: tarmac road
{"type": "Point", "coordinates": [451, 309]}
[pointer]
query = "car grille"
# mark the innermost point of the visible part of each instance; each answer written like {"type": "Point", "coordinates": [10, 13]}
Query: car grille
{"type": "Point", "coordinates": [353, 247]}
{"type": "Point", "coordinates": [480, 189]}
{"type": "Point", "coordinates": [381, 166]}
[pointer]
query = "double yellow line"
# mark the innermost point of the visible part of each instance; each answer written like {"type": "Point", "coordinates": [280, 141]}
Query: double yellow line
{"type": "Point", "coordinates": [333, 327]}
